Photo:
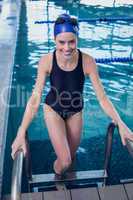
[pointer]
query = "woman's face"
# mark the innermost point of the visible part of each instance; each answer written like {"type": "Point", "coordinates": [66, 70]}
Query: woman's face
{"type": "Point", "coordinates": [66, 44]}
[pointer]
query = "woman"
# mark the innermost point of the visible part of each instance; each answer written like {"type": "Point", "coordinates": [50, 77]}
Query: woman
{"type": "Point", "coordinates": [67, 67]}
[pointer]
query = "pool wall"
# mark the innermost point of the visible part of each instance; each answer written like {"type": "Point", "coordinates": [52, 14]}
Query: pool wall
{"type": "Point", "coordinates": [9, 20]}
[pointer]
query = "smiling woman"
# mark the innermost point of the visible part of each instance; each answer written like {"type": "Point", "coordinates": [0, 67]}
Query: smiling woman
{"type": "Point", "coordinates": [66, 44]}
{"type": "Point", "coordinates": [67, 67]}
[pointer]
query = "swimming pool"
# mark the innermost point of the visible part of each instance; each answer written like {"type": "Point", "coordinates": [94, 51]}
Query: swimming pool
{"type": "Point", "coordinates": [100, 40]}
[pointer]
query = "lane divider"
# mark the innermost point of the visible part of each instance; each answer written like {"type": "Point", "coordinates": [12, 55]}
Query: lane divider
{"type": "Point", "coordinates": [101, 19]}
{"type": "Point", "coordinates": [115, 59]}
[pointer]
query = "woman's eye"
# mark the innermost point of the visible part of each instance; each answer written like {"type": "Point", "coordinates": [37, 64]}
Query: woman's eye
{"type": "Point", "coordinates": [72, 41]}
{"type": "Point", "coordinates": [62, 42]}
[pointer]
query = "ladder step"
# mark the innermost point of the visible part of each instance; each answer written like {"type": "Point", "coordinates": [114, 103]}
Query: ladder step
{"type": "Point", "coordinates": [69, 176]}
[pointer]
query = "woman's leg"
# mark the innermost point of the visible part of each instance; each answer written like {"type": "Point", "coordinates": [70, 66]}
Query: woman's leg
{"type": "Point", "coordinates": [57, 132]}
{"type": "Point", "coordinates": [74, 129]}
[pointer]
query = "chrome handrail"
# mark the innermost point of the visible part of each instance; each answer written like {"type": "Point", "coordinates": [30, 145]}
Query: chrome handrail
{"type": "Point", "coordinates": [129, 145]}
{"type": "Point", "coordinates": [17, 176]}
{"type": "Point", "coordinates": [108, 149]}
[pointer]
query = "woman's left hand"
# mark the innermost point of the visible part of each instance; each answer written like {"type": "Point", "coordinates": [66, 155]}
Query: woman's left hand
{"type": "Point", "coordinates": [125, 133]}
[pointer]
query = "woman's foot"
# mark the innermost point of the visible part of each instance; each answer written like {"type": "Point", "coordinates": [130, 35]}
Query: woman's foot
{"type": "Point", "coordinates": [72, 166]}
{"type": "Point", "coordinates": [57, 167]}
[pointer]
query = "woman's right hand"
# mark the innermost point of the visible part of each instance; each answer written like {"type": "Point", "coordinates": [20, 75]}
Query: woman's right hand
{"type": "Point", "coordinates": [19, 143]}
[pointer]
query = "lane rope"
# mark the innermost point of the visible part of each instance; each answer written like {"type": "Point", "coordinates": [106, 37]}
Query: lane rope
{"type": "Point", "coordinates": [115, 59]}
{"type": "Point", "coordinates": [101, 19]}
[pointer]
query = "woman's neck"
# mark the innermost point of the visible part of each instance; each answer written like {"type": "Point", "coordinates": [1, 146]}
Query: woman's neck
{"type": "Point", "coordinates": [67, 63]}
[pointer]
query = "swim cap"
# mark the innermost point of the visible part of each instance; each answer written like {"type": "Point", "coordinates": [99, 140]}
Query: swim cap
{"type": "Point", "coordinates": [65, 23]}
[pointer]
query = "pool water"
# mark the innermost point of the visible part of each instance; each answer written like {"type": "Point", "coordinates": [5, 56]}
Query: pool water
{"type": "Point", "coordinates": [98, 39]}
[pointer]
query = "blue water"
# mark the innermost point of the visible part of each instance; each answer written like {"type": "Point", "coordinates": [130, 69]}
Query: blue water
{"type": "Point", "coordinates": [97, 39]}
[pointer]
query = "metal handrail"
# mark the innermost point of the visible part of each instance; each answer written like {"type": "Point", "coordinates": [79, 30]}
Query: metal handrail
{"type": "Point", "coordinates": [108, 148]}
{"type": "Point", "coordinates": [17, 176]}
{"type": "Point", "coordinates": [17, 170]}
{"type": "Point", "coordinates": [129, 146]}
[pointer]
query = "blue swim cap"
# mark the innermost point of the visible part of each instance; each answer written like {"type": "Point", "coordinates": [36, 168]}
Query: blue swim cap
{"type": "Point", "coordinates": [65, 23]}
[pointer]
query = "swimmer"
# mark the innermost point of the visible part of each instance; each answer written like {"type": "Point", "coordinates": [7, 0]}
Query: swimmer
{"type": "Point", "coordinates": [67, 67]}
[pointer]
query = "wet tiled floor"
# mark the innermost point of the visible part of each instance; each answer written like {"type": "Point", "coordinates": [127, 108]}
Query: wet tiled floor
{"type": "Point", "coordinates": [116, 192]}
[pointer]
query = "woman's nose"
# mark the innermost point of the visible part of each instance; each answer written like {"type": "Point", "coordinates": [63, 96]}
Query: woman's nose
{"type": "Point", "coordinates": [66, 46]}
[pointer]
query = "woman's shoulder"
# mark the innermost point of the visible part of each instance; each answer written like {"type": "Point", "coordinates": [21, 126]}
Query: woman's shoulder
{"type": "Point", "coordinates": [88, 63]}
{"type": "Point", "coordinates": [87, 57]}
{"type": "Point", "coordinates": [46, 57]}
{"type": "Point", "coordinates": [46, 61]}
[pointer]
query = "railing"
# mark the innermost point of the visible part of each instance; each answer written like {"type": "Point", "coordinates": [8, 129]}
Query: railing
{"type": "Point", "coordinates": [17, 176]}
{"type": "Point", "coordinates": [108, 147]}
{"type": "Point", "coordinates": [108, 150]}
{"type": "Point", "coordinates": [129, 146]}
{"type": "Point", "coordinates": [17, 171]}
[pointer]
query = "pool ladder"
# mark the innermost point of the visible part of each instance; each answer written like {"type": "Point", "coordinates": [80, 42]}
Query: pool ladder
{"type": "Point", "coordinates": [100, 176]}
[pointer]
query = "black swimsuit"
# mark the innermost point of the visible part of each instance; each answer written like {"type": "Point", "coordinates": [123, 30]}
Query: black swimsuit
{"type": "Point", "coordinates": [66, 93]}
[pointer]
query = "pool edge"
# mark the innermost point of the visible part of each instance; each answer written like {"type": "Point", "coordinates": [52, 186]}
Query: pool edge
{"type": "Point", "coordinates": [10, 21]}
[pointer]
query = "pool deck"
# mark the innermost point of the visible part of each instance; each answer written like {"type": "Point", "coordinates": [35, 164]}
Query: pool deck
{"type": "Point", "coordinates": [9, 24]}
{"type": "Point", "coordinates": [115, 192]}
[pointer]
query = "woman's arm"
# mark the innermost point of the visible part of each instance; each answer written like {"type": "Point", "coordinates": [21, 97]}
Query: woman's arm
{"type": "Point", "coordinates": [34, 101]}
{"type": "Point", "coordinates": [31, 107]}
{"type": "Point", "coordinates": [105, 103]}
